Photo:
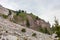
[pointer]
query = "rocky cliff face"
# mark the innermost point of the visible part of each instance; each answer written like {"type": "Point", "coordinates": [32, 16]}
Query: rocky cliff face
{"type": "Point", "coordinates": [34, 24]}
{"type": "Point", "coordinates": [4, 10]}
{"type": "Point", "coordinates": [33, 21]}
{"type": "Point", "coordinates": [12, 31]}
{"type": "Point", "coordinates": [22, 26]}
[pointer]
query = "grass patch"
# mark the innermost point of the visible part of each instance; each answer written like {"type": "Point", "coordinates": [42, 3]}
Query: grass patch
{"type": "Point", "coordinates": [23, 15]}
{"type": "Point", "coordinates": [5, 16]}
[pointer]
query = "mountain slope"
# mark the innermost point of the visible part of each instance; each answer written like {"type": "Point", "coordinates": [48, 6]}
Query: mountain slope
{"type": "Point", "coordinates": [9, 28]}
{"type": "Point", "coordinates": [25, 19]}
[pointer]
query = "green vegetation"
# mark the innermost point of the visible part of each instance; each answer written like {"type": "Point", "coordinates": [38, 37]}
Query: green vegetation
{"type": "Point", "coordinates": [43, 30]}
{"type": "Point", "coordinates": [40, 29]}
{"type": "Point", "coordinates": [37, 17]}
{"type": "Point", "coordinates": [6, 31]}
{"type": "Point", "coordinates": [34, 34]}
{"type": "Point", "coordinates": [23, 15]}
{"type": "Point", "coordinates": [9, 12]}
{"type": "Point", "coordinates": [23, 11]}
{"type": "Point", "coordinates": [27, 23]}
{"type": "Point", "coordinates": [56, 28]}
{"type": "Point", "coordinates": [18, 12]}
{"type": "Point", "coordinates": [23, 30]}
{"type": "Point", "coordinates": [5, 16]}
{"type": "Point", "coordinates": [46, 31]}
{"type": "Point", "coordinates": [20, 16]}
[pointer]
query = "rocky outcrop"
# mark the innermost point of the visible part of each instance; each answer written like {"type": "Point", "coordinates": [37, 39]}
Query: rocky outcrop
{"type": "Point", "coordinates": [12, 31]}
{"type": "Point", "coordinates": [34, 24]}
{"type": "Point", "coordinates": [3, 10]}
{"type": "Point", "coordinates": [38, 22]}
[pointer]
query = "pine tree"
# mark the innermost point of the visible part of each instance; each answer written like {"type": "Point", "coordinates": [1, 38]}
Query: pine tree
{"type": "Point", "coordinates": [57, 28]}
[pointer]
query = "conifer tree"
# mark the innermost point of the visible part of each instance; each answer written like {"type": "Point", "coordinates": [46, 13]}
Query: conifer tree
{"type": "Point", "coordinates": [57, 28]}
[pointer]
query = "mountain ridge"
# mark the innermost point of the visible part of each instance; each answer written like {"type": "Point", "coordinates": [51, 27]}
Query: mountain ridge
{"type": "Point", "coordinates": [22, 18]}
{"type": "Point", "coordinates": [19, 25]}
{"type": "Point", "coordinates": [10, 28]}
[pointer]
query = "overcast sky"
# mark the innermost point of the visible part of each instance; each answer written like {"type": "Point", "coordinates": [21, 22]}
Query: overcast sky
{"type": "Point", "coordinates": [45, 9]}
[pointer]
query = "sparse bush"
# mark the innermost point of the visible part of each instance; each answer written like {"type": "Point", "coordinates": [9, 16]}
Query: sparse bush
{"type": "Point", "coordinates": [46, 31]}
{"type": "Point", "coordinates": [23, 30]}
{"type": "Point", "coordinates": [27, 23]}
{"type": "Point", "coordinates": [6, 31]}
{"type": "Point", "coordinates": [18, 12]}
{"type": "Point", "coordinates": [37, 18]}
{"type": "Point", "coordinates": [34, 34]}
{"type": "Point", "coordinates": [9, 12]}
{"type": "Point", "coordinates": [22, 10]}
{"type": "Point", "coordinates": [56, 28]}
{"type": "Point", "coordinates": [5, 16]}
{"type": "Point", "coordinates": [41, 29]}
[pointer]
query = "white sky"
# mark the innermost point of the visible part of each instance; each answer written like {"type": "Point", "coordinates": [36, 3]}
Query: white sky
{"type": "Point", "coordinates": [45, 9]}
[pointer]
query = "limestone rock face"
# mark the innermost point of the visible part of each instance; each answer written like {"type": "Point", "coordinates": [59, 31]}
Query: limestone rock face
{"type": "Point", "coordinates": [3, 10]}
{"type": "Point", "coordinates": [12, 31]}
{"type": "Point", "coordinates": [8, 37]}
{"type": "Point", "coordinates": [34, 24]}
